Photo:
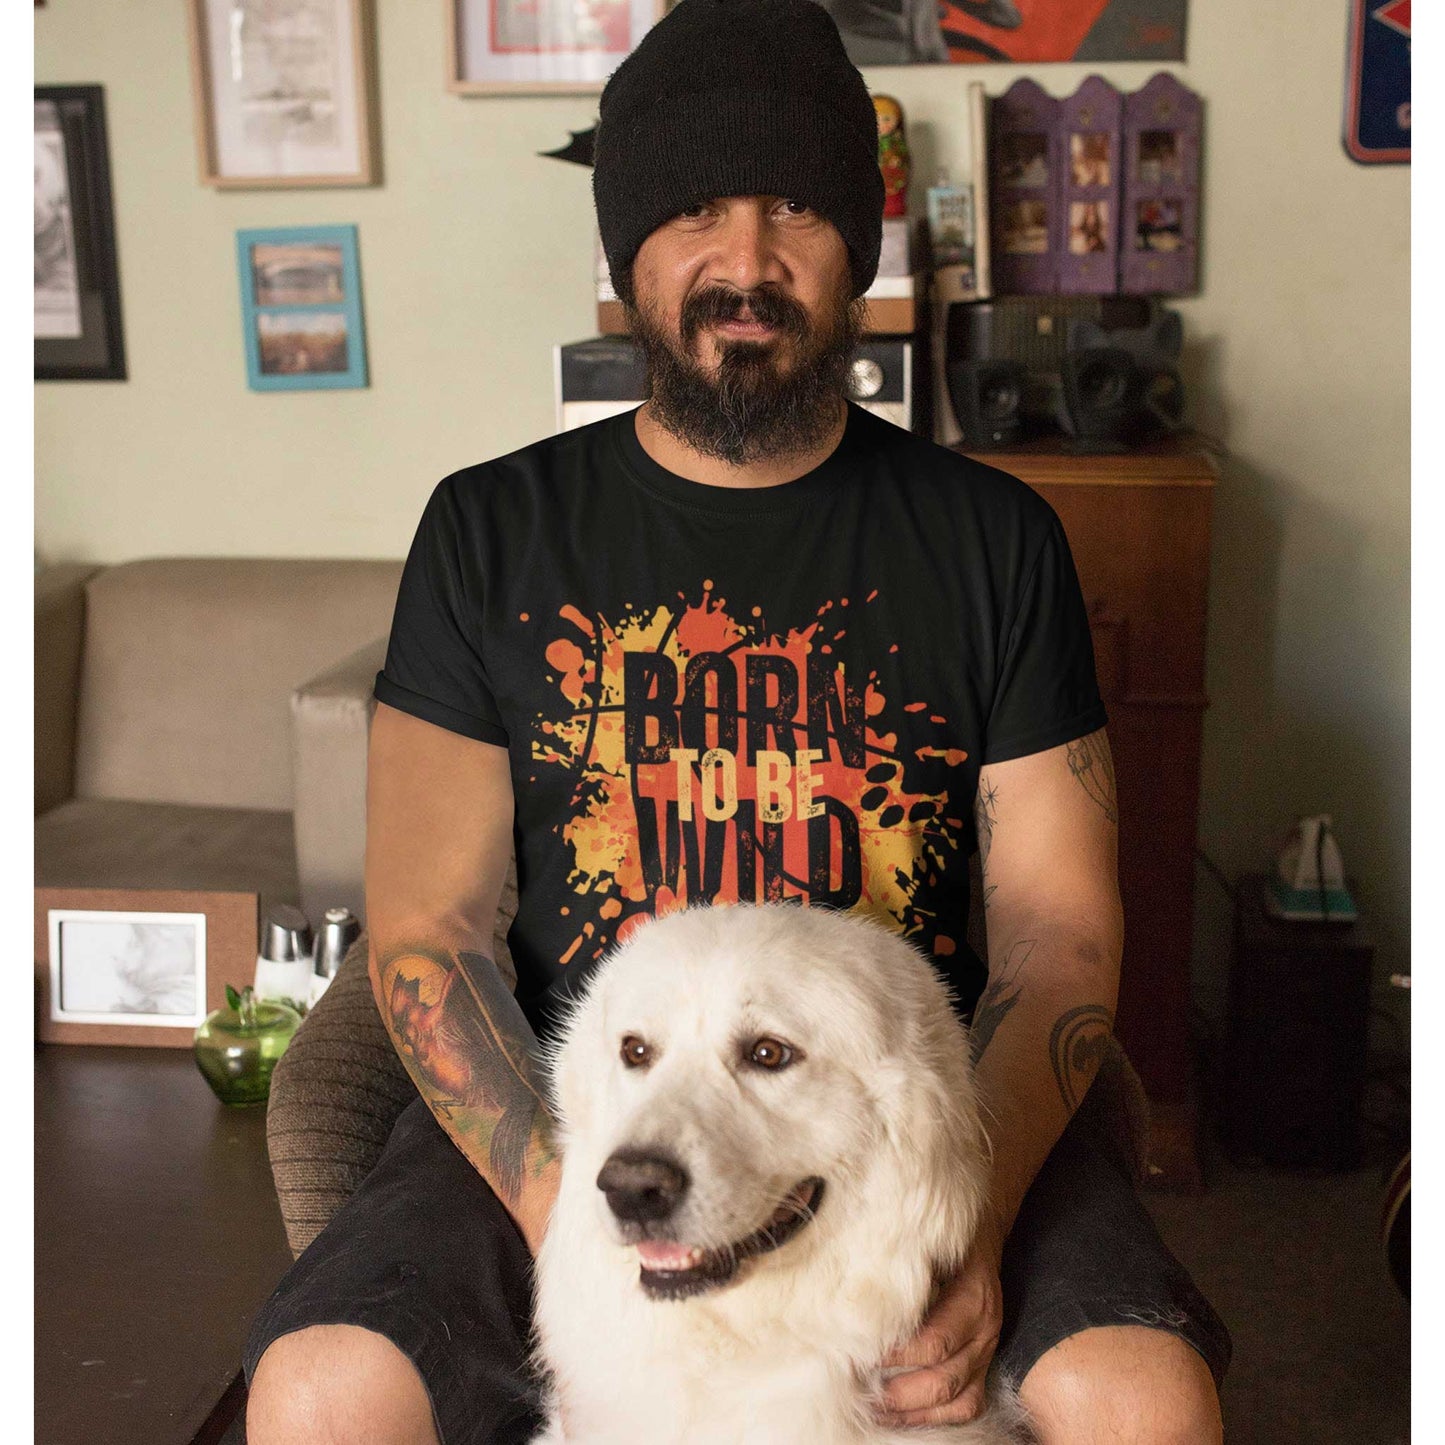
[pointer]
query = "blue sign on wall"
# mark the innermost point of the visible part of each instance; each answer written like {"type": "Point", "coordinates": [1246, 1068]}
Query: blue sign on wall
{"type": "Point", "coordinates": [1377, 81]}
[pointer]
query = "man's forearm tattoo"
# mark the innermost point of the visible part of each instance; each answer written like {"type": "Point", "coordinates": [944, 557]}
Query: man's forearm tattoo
{"type": "Point", "coordinates": [1092, 763]}
{"type": "Point", "coordinates": [467, 1044]}
{"type": "Point", "coordinates": [1003, 992]}
{"type": "Point", "coordinates": [1076, 1046]}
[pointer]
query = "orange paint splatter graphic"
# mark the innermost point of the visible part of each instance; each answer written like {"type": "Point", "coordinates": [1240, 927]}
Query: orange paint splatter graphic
{"type": "Point", "coordinates": [714, 760]}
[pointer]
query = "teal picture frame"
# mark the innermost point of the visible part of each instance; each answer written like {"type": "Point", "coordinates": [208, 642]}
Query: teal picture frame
{"type": "Point", "coordinates": [301, 311]}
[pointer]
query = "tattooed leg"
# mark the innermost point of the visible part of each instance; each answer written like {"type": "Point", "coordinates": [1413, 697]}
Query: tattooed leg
{"type": "Point", "coordinates": [470, 1050]}
{"type": "Point", "coordinates": [1092, 764]}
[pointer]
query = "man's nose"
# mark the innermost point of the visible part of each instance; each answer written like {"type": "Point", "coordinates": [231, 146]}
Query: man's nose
{"type": "Point", "coordinates": [642, 1186]}
{"type": "Point", "coordinates": [745, 244]}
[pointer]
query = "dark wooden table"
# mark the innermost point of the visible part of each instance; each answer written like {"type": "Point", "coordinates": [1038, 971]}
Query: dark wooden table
{"type": "Point", "coordinates": [157, 1238]}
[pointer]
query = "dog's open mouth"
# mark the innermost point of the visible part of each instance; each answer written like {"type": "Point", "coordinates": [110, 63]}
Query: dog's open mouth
{"type": "Point", "coordinates": [674, 1271]}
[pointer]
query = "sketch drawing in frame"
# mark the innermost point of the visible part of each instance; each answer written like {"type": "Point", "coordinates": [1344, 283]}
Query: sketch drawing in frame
{"type": "Point", "coordinates": [138, 966]}
{"type": "Point", "coordinates": [77, 277]}
{"type": "Point", "coordinates": [283, 92]}
{"type": "Point", "coordinates": [541, 47]}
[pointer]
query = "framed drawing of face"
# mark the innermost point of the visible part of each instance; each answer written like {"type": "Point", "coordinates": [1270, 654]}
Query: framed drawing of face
{"type": "Point", "coordinates": [77, 276]}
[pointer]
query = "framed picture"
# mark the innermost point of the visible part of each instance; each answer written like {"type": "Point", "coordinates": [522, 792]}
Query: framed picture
{"type": "Point", "coordinates": [538, 47]}
{"type": "Point", "coordinates": [283, 92]}
{"type": "Point", "coordinates": [301, 308]}
{"type": "Point", "coordinates": [77, 281]}
{"type": "Point", "coordinates": [138, 966]}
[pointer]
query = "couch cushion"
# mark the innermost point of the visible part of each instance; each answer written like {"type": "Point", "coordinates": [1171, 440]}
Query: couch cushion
{"type": "Point", "coordinates": [101, 843]}
{"type": "Point", "coordinates": [190, 662]}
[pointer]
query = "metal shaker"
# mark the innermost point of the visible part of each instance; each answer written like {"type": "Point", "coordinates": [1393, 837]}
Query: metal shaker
{"type": "Point", "coordinates": [283, 968]}
{"type": "Point", "coordinates": [340, 929]}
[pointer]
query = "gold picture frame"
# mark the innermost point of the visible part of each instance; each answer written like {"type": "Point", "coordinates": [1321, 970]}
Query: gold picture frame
{"type": "Point", "coordinates": [139, 966]}
{"type": "Point", "coordinates": [315, 126]}
{"type": "Point", "coordinates": [489, 67]}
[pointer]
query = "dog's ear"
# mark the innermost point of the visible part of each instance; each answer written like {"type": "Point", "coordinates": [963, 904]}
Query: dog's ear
{"type": "Point", "coordinates": [935, 1134]}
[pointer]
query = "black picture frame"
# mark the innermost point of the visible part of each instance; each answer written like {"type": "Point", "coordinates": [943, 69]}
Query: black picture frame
{"type": "Point", "coordinates": [97, 352]}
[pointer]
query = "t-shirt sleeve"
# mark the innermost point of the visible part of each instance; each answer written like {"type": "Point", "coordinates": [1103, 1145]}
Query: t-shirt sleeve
{"type": "Point", "coordinates": [1047, 692]}
{"type": "Point", "coordinates": [433, 666]}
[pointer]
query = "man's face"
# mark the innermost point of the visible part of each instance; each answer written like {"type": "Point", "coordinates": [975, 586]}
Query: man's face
{"type": "Point", "coordinates": [742, 308]}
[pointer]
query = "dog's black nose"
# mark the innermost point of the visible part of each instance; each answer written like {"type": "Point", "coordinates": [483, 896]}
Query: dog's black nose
{"type": "Point", "coordinates": [640, 1186]}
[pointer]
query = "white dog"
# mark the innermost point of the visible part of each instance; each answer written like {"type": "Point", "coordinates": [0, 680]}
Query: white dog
{"type": "Point", "coordinates": [771, 1146]}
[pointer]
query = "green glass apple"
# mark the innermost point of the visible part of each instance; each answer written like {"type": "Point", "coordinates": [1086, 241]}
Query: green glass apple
{"type": "Point", "coordinates": [237, 1046]}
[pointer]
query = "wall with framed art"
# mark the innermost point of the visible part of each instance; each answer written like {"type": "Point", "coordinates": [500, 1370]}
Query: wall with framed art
{"type": "Point", "coordinates": [478, 258]}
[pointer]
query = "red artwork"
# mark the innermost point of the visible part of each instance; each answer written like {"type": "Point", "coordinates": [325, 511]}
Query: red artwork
{"type": "Point", "coordinates": [1037, 30]}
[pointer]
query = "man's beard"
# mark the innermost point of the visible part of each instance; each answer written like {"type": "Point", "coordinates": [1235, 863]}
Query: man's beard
{"type": "Point", "coordinates": [750, 409]}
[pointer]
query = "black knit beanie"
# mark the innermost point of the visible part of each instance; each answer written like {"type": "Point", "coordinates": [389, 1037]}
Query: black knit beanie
{"type": "Point", "coordinates": [737, 98]}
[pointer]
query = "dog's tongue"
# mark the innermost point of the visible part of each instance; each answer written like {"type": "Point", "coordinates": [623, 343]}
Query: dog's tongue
{"type": "Point", "coordinates": [664, 1254]}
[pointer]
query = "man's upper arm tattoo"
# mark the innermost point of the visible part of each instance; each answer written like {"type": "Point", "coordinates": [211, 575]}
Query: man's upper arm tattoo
{"type": "Point", "coordinates": [467, 1044]}
{"type": "Point", "coordinates": [1076, 1046]}
{"type": "Point", "coordinates": [1004, 990]}
{"type": "Point", "coordinates": [985, 814]}
{"type": "Point", "coordinates": [1092, 764]}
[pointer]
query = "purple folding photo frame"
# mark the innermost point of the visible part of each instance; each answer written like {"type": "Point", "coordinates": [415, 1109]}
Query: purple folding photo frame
{"type": "Point", "coordinates": [1159, 225]}
{"type": "Point", "coordinates": [1090, 185]}
{"type": "Point", "coordinates": [1025, 157]}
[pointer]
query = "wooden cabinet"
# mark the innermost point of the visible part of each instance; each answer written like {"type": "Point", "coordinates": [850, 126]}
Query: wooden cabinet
{"type": "Point", "coordinates": [1138, 526]}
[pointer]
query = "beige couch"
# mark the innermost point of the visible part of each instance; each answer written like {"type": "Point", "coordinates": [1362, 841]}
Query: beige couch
{"type": "Point", "coordinates": [202, 723]}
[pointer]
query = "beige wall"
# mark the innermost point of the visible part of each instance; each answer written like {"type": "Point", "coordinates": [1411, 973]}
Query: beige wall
{"type": "Point", "coordinates": [476, 258]}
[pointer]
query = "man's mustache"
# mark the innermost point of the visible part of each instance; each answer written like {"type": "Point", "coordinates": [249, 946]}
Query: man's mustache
{"type": "Point", "coordinates": [720, 303]}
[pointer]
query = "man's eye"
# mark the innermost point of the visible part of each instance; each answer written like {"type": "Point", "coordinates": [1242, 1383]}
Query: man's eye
{"type": "Point", "coordinates": [768, 1053]}
{"type": "Point", "coordinates": [691, 213]}
{"type": "Point", "coordinates": [636, 1053]}
{"type": "Point", "coordinates": [797, 208]}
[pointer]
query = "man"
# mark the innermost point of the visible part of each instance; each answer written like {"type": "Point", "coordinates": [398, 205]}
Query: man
{"type": "Point", "coordinates": [745, 642]}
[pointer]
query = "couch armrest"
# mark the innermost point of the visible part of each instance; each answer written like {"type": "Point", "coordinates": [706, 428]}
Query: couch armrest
{"type": "Point", "coordinates": [59, 635]}
{"type": "Point", "coordinates": [330, 725]}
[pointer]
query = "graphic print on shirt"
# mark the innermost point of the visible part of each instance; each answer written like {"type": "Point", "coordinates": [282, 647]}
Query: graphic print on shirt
{"type": "Point", "coordinates": [715, 760]}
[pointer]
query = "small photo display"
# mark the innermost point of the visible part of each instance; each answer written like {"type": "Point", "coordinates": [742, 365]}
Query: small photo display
{"type": "Point", "coordinates": [298, 275]}
{"type": "Point", "coordinates": [1160, 225]}
{"type": "Point", "coordinates": [127, 968]}
{"type": "Point", "coordinates": [1088, 227]}
{"type": "Point", "coordinates": [1089, 158]}
{"type": "Point", "coordinates": [1160, 161]}
{"type": "Point", "coordinates": [1024, 159]}
{"type": "Point", "coordinates": [302, 343]}
{"type": "Point", "coordinates": [301, 308]}
{"type": "Point", "coordinates": [1025, 228]}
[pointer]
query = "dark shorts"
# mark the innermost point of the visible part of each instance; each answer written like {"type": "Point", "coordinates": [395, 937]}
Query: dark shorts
{"type": "Point", "coordinates": [426, 1255]}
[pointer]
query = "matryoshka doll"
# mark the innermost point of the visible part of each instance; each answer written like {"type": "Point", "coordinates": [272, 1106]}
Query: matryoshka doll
{"type": "Point", "coordinates": [892, 155]}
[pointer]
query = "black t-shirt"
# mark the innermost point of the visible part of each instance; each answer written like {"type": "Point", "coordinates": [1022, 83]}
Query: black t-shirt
{"type": "Point", "coordinates": [711, 693]}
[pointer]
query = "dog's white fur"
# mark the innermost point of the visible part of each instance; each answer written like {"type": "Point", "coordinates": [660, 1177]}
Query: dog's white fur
{"type": "Point", "coordinates": [881, 1105]}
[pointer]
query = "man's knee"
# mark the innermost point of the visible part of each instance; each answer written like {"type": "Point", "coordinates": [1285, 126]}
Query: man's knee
{"type": "Point", "coordinates": [337, 1385]}
{"type": "Point", "coordinates": [1127, 1383]}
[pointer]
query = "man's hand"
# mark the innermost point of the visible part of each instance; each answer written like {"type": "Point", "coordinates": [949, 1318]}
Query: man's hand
{"type": "Point", "coordinates": [944, 1364]}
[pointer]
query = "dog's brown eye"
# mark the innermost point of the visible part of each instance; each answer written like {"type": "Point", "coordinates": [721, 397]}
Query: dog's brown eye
{"type": "Point", "coordinates": [636, 1052]}
{"type": "Point", "coordinates": [770, 1054]}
